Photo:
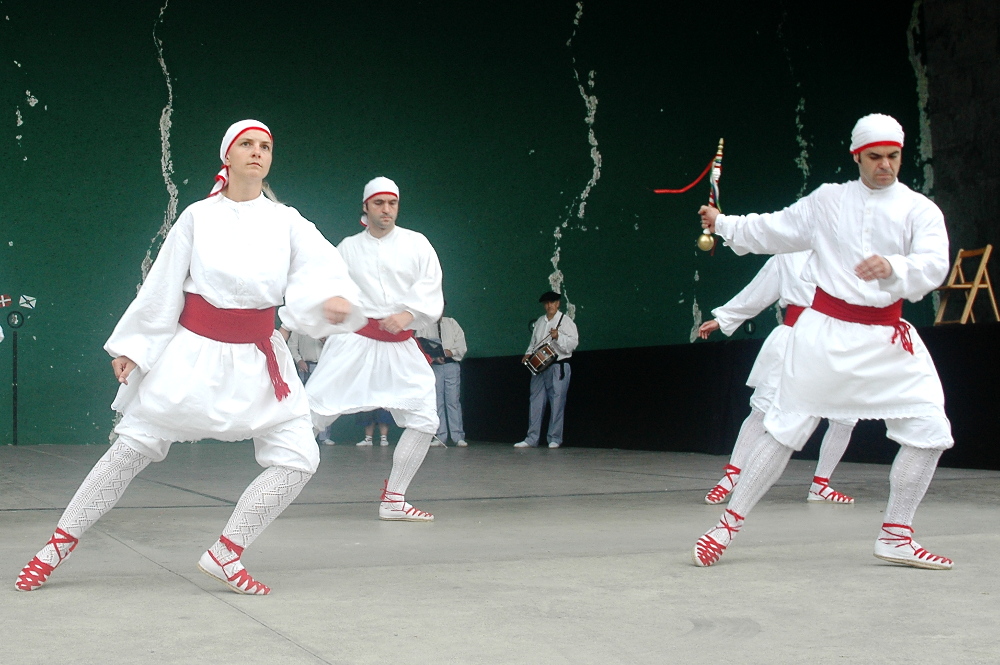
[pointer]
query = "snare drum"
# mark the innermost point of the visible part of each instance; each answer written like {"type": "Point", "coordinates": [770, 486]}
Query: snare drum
{"type": "Point", "coordinates": [540, 360]}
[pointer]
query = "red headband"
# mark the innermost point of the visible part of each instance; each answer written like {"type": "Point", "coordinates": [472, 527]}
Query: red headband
{"type": "Point", "coordinates": [242, 132]}
{"type": "Point", "coordinates": [874, 144]}
{"type": "Point", "coordinates": [377, 193]}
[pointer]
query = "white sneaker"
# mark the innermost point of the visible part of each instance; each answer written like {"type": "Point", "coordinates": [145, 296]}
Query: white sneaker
{"type": "Point", "coordinates": [438, 443]}
{"type": "Point", "coordinates": [328, 442]}
{"type": "Point", "coordinates": [524, 444]}
{"type": "Point", "coordinates": [367, 441]}
{"type": "Point", "coordinates": [461, 444]}
{"type": "Point", "coordinates": [383, 441]}
{"type": "Point", "coordinates": [553, 444]}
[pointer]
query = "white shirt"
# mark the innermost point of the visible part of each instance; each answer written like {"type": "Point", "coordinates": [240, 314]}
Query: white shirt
{"type": "Point", "coordinates": [450, 334]}
{"type": "Point", "coordinates": [236, 255]}
{"type": "Point", "coordinates": [568, 340]}
{"type": "Point", "coordinates": [838, 369]}
{"type": "Point", "coordinates": [778, 280]}
{"type": "Point", "coordinates": [398, 272]}
{"type": "Point", "coordinates": [304, 347]}
{"type": "Point", "coordinates": [846, 224]}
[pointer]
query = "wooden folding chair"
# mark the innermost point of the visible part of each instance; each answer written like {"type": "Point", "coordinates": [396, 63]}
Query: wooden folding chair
{"type": "Point", "coordinates": [969, 288]}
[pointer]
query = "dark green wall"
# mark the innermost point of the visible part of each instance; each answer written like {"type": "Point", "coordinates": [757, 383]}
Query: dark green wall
{"type": "Point", "coordinates": [475, 109]}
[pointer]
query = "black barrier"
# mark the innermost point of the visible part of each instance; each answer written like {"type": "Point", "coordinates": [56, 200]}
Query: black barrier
{"type": "Point", "coordinates": [692, 398]}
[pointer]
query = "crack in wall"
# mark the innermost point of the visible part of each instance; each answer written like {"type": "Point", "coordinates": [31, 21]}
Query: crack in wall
{"type": "Point", "coordinates": [167, 168]}
{"type": "Point", "coordinates": [21, 118]}
{"type": "Point", "coordinates": [925, 148]}
{"type": "Point", "coordinates": [557, 280]}
{"type": "Point", "coordinates": [696, 315]}
{"type": "Point", "coordinates": [778, 318]}
{"type": "Point", "coordinates": [166, 161]}
{"type": "Point", "coordinates": [802, 160]}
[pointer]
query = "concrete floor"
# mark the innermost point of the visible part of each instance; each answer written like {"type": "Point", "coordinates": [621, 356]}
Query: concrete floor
{"type": "Point", "coordinates": [565, 556]}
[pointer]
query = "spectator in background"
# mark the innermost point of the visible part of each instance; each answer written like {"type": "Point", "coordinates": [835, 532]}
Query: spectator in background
{"type": "Point", "coordinates": [446, 348]}
{"type": "Point", "coordinates": [368, 420]}
{"type": "Point", "coordinates": [551, 384]}
{"type": "Point", "coordinates": [305, 352]}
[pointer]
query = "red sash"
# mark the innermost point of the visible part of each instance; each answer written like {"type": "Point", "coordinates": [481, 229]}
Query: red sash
{"type": "Point", "coordinates": [792, 313]}
{"type": "Point", "coordinates": [836, 308]}
{"type": "Point", "coordinates": [236, 326]}
{"type": "Point", "coordinates": [372, 331]}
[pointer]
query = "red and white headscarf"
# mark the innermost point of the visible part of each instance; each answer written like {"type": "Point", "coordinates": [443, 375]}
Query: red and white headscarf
{"type": "Point", "coordinates": [875, 130]}
{"type": "Point", "coordinates": [376, 186]}
{"type": "Point", "coordinates": [233, 133]}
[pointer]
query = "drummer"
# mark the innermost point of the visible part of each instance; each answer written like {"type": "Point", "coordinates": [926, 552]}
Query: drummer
{"type": "Point", "coordinates": [554, 333]}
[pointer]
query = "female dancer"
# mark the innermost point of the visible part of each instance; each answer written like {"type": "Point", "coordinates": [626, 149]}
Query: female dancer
{"type": "Point", "coordinates": [197, 355]}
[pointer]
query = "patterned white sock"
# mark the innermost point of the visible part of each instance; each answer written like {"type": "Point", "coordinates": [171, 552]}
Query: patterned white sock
{"type": "Point", "coordinates": [750, 431]}
{"type": "Point", "coordinates": [909, 479]}
{"type": "Point", "coordinates": [766, 464]}
{"type": "Point", "coordinates": [406, 459]}
{"type": "Point", "coordinates": [98, 494]}
{"type": "Point", "coordinates": [835, 441]}
{"type": "Point", "coordinates": [262, 501]}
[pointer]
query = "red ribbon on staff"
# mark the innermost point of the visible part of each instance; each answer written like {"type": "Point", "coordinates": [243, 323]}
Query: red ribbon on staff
{"type": "Point", "coordinates": [684, 189]}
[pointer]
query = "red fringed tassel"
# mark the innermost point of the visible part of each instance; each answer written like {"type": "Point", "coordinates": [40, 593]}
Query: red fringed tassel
{"type": "Point", "coordinates": [281, 389]}
{"type": "Point", "coordinates": [902, 332]}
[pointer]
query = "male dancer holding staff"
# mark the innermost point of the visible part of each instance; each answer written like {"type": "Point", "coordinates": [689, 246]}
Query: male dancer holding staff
{"type": "Point", "coordinates": [777, 280]}
{"type": "Point", "coordinates": [850, 355]}
{"type": "Point", "coordinates": [382, 365]}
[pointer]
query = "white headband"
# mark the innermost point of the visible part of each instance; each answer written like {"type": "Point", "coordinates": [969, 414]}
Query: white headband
{"type": "Point", "coordinates": [874, 130]}
{"type": "Point", "coordinates": [376, 186]}
{"type": "Point", "coordinates": [228, 140]}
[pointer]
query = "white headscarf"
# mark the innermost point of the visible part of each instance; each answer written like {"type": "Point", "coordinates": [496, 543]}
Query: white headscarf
{"type": "Point", "coordinates": [228, 140]}
{"type": "Point", "coordinates": [376, 186]}
{"type": "Point", "coordinates": [876, 129]}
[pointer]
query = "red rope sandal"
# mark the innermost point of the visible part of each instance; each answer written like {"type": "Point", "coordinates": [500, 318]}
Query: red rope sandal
{"type": "Point", "coordinates": [37, 572]}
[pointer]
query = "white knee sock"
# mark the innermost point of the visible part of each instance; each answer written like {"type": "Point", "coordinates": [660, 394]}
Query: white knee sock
{"type": "Point", "coordinates": [765, 465]}
{"type": "Point", "coordinates": [407, 458]}
{"type": "Point", "coordinates": [909, 479]}
{"type": "Point", "coordinates": [262, 501]}
{"type": "Point", "coordinates": [750, 431]}
{"type": "Point", "coordinates": [835, 441]}
{"type": "Point", "coordinates": [98, 494]}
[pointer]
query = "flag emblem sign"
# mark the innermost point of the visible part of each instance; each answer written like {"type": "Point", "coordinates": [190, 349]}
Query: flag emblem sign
{"type": "Point", "coordinates": [5, 300]}
{"type": "Point", "coordinates": [27, 302]}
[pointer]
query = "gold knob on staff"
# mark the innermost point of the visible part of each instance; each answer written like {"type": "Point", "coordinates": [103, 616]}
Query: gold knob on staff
{"type": "Point", "coordinates": [706, 241]}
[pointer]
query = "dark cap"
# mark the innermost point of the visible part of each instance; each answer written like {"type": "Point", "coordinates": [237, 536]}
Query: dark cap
{"type": "Point", "coordinates": [550, 296]}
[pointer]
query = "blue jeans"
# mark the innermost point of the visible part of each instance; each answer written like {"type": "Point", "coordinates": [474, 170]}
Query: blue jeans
{"type": "Point", "coordinates": [449, 388]}
{"type": "Point", "coordinates": [550, 386]}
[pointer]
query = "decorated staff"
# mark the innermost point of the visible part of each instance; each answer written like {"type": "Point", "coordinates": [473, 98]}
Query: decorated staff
{"type": "Point", "coordinates": [706, 241]}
